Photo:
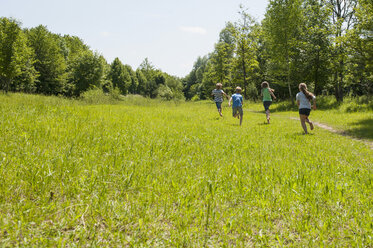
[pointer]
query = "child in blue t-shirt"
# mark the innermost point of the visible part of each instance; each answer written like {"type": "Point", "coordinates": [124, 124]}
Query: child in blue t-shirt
{"type": "Point", "coordinates": [237, 104]}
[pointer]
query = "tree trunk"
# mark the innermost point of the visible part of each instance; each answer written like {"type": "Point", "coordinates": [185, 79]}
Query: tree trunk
{"type": "Point", "coordinates": [7, 84]}
{"type": "Point", "coordinates": [290, 94]}
{"type": "Point", "coordinates": [338, 88]}
{"type": "Point", "coordinates": [244, 76]}
{"type": "Point", "coordinates": [288, 77]}
{"type": "Point", "coordinates": [340, 84]}
{"type": "Point", "coordinates": [316, 76]}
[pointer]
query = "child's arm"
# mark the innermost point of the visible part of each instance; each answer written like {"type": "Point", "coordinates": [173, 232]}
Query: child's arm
{"type": "Point", "coordinates": [271, 92]}
{"type": "Point", "coordinates": [225, 95]}
{"type": "Point", "coordinates": [298, 103]}
{"type": "Point", "coordinates": [229, 103]}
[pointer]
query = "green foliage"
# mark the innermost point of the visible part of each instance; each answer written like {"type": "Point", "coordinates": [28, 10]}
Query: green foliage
{"type": "Point", "coordinates": [282, 26]}
{"type": "Point", "coordinates": [141, 88]}
{"type": "Point", "coordinates": [16, 58]}
{"type": "Point", "coordinates": [350, 104]}
{"type": "Point", "coordinates": [222, 58]}
{"type": "Point", "coordinates": [120, 76]}
{"type": "Point", "coordinates": [246, 64]}
{"type": "Point", "coordinates": [195, 98]}
{"type": "Point", "coordinates": [326, 44]}
{"type": "Point", "coordinates": [86, 72]}
{"type": "Point", "coordinates": [359, 42]}
{"type": "Point", "coordinates": [74, 46]}
{"type": "Point", "coordinates": [164, 92]}
{"type": "Point", "coordinates": [134, 80]}
{"type": "Point", "coordinates": [50, 61]}
{"type": "Point", "coordinates": [97, 96]}
{"type": "Point", "coordinates": [315, 44]}
{"type": "Point", "coordinates": [200, 75]}
{"type": "Point", "coordinates": [343, 20]}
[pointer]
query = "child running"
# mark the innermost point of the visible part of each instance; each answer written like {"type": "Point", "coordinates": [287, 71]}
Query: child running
{"type": "Point", "coordinates": [218, 97]}
{"type": "Point", "coordinates": [267, 99]}
{"type": "Point", "coordinates": [237, 104]}
{"type": "Point", "coordinates": [304, 98]}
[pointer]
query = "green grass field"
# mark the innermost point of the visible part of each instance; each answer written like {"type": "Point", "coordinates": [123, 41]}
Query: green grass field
{"type": "Point", "coordinates": [147, 173]}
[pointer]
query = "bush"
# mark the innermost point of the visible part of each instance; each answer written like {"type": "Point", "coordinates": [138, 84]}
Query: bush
{"type": "Point", "coordinates": [195, 98]}
{"type": "Point", "coordinates": [164, 92]}
{"type": "Point", "coordinates": [357, 104]}
{"type": "Point", "coordinates": [349, 104]}
{"type": "Point", "coordinates": [138, 100]}
{"type": "Point", "coordinates": [97, 96]}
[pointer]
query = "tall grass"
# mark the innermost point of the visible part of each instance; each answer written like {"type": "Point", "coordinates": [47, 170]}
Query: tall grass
{"type": "Point", "coordinates": [175, 174]}
{"type": "Point", "coordinates": [349, 104]}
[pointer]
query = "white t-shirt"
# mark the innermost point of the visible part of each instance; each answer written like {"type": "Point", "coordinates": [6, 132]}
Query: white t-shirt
{"type": "Point", "coordinates": [303, 101]}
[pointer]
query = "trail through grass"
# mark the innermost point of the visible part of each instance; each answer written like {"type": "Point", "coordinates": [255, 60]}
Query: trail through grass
{"type": "Point", "coordinates": [175, 174]}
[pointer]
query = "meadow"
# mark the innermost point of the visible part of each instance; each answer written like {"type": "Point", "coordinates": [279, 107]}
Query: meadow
{"type": "Point", "coordinates": [146, 173]}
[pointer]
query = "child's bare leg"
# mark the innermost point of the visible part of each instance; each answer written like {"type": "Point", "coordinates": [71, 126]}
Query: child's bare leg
{"type": "Point", "coordinates": [219, 110]}
{"type": "Point", "coordinates": [267, 115]}
{"type": "Point", "coordinates": [303, 122]}
{"type": "Point", "coordinates": [241, 116]}
{"type": "Point", "coordinates": [310, 123]}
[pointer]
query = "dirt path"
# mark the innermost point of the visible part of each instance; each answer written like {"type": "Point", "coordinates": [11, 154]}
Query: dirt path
{"type": "Point", "coordinates": [343, 133]}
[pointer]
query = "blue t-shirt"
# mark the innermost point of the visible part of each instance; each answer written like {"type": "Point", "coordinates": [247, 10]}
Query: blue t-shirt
{"type": "Point", "coordinates": [237, 100]}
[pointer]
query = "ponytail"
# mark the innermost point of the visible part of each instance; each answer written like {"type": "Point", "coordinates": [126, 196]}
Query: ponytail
{"type": "Point", "coordinates": [303, 88]}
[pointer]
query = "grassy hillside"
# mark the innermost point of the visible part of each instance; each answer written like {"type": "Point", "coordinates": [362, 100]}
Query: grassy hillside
{"type": "Point", "coordinates": [149, 173]}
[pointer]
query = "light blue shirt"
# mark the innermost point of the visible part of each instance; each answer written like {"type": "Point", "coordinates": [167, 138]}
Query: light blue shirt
{"type": "Point", "coordinates": [237, 100]}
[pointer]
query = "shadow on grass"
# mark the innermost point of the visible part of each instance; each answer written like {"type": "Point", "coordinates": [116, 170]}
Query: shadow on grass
{"type": "Point", "coordinates": [361, 129]}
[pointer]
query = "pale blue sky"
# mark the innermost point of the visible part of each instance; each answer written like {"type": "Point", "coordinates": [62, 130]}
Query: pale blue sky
{"type": "Point", "coordinates": [170, 33]}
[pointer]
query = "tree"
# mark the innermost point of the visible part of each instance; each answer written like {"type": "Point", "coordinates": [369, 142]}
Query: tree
{"type": "Point", "coordinates": [149, 72]}
{"type": "Point", "coordinates": [119, 76]}
{"type": "Point", "coordinates": [141, 89]}
{"type": "Point", "coordinates": [74, 46]}
{"type": "Point", "coordinates": [222, 58]}
{"type": "Point", "coordinates": [175, 85]}
{"type": "Point", "coordinates": [281, 26]}
{"type": "Point", "coordinates": [343, 19]}
{"type": "Point", "coordinates": [315, 45]}
{"type": "Point", "coordinates": [134, 81]}
{"type": "Point", "coordinates": [86, 72]}
{"type": "Point", "coordinates": [50, 62]}
{"type": "Point", "coordinates": [16, 58]}
{"type": "Point", "coordinates": [195, 77]}
{"type": "Point", "coordinates": [359, 42]}
{"type": "Point", "coordinates": [246, 64]}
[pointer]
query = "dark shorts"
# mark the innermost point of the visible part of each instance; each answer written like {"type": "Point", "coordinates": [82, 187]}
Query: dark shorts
{"type": "Point", "coordinates": [237, 109]}
{"type": "Point", "coordinates": [218, 105]}
{"type": "Point", "coordinates": [266, 104]}
{"type": "Point", "coordinates": [305, 111]}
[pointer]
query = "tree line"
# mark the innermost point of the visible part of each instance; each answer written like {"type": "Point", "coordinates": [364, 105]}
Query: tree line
{"type": "Point", "coordinates": [38, 61]}
{"type": "Point", "coordinates": [327, 44]}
